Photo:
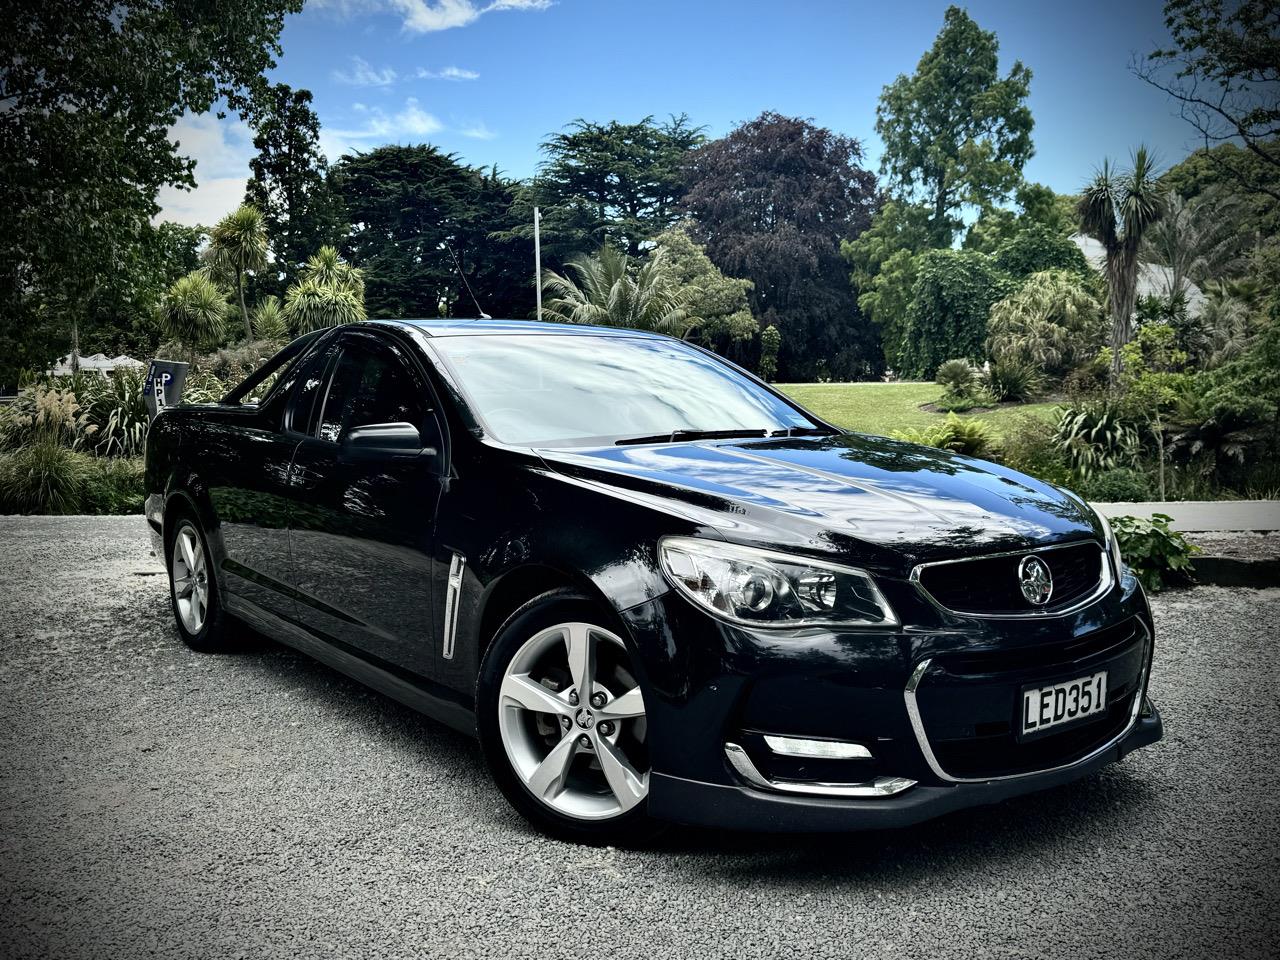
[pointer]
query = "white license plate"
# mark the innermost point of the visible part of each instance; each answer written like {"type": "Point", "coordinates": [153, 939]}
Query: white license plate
{"type": "Point", "coordinates": [1046, 707]}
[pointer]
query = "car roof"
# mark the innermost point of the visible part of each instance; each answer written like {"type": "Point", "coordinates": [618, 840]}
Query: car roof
{"type": "Point", "coordinates": [462, 327]}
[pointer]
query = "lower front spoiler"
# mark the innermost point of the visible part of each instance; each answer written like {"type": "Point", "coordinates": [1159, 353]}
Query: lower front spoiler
{"type": "Point", "coordinates": [734, 807]}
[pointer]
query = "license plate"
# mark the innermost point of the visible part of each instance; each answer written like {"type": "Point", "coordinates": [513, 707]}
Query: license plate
{"type": "Point", "coordinates": [1046, 707]}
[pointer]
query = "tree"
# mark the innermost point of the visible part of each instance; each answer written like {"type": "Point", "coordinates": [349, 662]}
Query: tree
{"type": "Point", "coordinates": [954, 132]}
{"type": "Point", "coordinates": [289, 179]}
{"type": "Point", "coordinates": [612, 290]}
{"type": "Point", "coordinates": [312, 305]}
{"type": "Point", "coordinates": [1198, 240]}
{"type": "Point", "coordinates": [1053, 321]}
{"type": "Point", "coordinates": [883, 259]}
{"type": "Point", "coordinates": [194, 312]}
{"type": "Point", "coordinates": [1038, 206]}
{"type": "Point", "coordinates": [950, 303]}
{"type": "Point", "coordinates": [88, 94]}
{"type": "Point", "coordinates": [329, 269]}
{"type": "Point", "coordinates": [616, 183]}
{"type": "Point", "coordinates": [771, 202]}
{"type": "Point", "coordinates": [268, 319]}
{"type": "Point", "coordinates": [1117, 209]}
{"type": "Point", "coordinates": [414, 210]}
{"type": "Point", "coordinates": [1036, 248]}
{"type": "Point", "coordinates": [329, 292]}
{"type": "Point", "coordinates": [239, 244]}
{"type": "Point", "coordinates": [720, 301]}
{"type": "Point", "coordinates": [770, 340]}
{"type": "Point", "coordinates": [1212, 170]}
{"type": "Point", "coordinates": [1223, 70]}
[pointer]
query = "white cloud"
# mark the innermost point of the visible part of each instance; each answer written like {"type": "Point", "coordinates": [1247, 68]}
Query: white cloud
{"type": "Point", "coordinates": [428, 16]}
{"type": "Point", "coordinates": [362, 74]}
{"type": "Point", "coordinates": [478, 131]}
{"type": "Point", "coordinates": [447, 73]}
{"type": "Point", "coordinates": [222, 150]}
{"type": "Point", "coordinates": [410, 123]}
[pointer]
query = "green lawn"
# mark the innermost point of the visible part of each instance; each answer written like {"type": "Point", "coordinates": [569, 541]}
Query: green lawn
{"type": "Point", "coordinates": [885, 407]}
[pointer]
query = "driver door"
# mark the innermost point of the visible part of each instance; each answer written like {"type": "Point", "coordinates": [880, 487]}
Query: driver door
{"type": "Point", "coordinates": [362, 524]}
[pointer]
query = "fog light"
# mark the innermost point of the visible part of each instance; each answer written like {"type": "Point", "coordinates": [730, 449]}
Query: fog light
{"type": "Point", "coordinates": [817, 749]}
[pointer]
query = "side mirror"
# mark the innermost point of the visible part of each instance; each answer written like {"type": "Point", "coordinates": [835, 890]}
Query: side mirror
{"type": "Point", "coordinates": [384, 440]}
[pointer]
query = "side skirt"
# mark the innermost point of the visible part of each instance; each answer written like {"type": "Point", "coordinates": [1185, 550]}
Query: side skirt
{"type": "Point", "coordinates": [414, 692]}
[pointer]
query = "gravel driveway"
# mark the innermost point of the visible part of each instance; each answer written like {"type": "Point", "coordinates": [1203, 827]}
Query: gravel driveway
{"type": "Point", "coordinates": [159, 802]}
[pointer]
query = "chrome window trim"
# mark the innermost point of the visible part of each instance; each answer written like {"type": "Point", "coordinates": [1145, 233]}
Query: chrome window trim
{"type": "Point", "coordinates": [872, 789]}
{"type": "Point", "coordinates": [922, 738]}
{"type": "Point", "coordinates": [453, 591]}
{"type": "Point", "coordinates": [1105, 582]}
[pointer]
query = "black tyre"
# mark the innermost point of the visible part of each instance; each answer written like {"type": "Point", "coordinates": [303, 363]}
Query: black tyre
{"type": "Point", "coordinates": [562, 722]}
{"type": "Point", "coordinates": [193, 588]}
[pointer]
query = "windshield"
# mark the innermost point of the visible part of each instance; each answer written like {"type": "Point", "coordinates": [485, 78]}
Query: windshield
{"type": "Point", "coordinates": [544, 389]}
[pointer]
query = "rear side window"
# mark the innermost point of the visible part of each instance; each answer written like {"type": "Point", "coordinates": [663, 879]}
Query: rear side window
{"type": "Point", "coordinates": [370, 385]}
{"type": "Point", "coordinates": [306, 385]}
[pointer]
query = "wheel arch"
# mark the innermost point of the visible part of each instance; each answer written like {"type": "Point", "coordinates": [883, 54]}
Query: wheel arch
{"type": "Point", "coordinates": [189, 495]}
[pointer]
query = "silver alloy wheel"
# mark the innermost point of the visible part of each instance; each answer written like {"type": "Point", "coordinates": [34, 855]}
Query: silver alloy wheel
{"type": "Point", "coordinates": [190, 578]}
{"type": "Point", "coordinates": [576, 753]}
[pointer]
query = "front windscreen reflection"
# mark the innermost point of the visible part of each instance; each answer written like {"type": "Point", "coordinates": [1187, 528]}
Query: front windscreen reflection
{"type": "Point", "coordinates": [540, 390]}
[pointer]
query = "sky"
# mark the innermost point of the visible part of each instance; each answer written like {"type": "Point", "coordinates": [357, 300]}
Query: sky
{"type": "Point", "coordinates": [488, 80]}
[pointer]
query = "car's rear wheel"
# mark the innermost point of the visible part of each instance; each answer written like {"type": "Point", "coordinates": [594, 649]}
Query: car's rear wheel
{"type": "Point", "coordinates": [193, 588]}
{"type": "Point", "coordinates": [563, 725]}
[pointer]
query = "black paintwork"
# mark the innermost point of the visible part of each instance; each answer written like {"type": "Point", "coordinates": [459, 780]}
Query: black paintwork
{"type": "Point", "coordinates": [347, 555]}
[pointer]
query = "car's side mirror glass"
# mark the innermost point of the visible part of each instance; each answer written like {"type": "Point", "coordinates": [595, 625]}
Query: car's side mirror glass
{"type": "Point", "coordinates": [384, 440]}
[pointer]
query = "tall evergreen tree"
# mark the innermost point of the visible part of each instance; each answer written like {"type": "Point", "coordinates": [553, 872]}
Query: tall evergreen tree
{"type": "Point", "coordinates": [289, 181]}
{"type": "Point", "coordinates": [421, 221]}
{"type": "Point", "coordinates": [954, 132]}
{"type": "Point", "coordinates": [616, 183]}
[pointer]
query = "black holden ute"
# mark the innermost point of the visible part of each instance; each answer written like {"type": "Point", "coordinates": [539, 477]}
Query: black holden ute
{"type": "Point", "coordinates": [655, 588]}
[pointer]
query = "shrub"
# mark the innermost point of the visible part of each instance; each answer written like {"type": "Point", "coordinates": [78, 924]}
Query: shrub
{"type": "Point", "coordinates": [203, 387]}
{"type": "Point", "coordinates": [1121, 485]}
{"type": "Point", "coordinates": [957, 376]}
{"type": "Point", "coordinates": [1159, 556]}
{"type": "Point", "coordinates": [43, 478]}
{"type": "Point", "coordinates": [42, 413]}
{"type": "Point", "coordinates": [114, 417]}
{"type": "Point", "coordinates": [113, 485]}
{"type": "Point", "coordinates": [1012, 380]}
{"type": "Point", "coordinates": [1094, 436]}
{"type": "Point", "coordinates": [233, 364]}
{"type": "Point", "coordinates": [961, 402]}
{"type": "Point", "coordinates": [1030, 447]}
{"type": "Point", "coordinates": [1053, 322]}
{"type": "Point", "coordinates": [970, 437]}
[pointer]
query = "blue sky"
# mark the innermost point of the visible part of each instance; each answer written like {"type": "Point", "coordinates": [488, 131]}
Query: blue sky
{"type": "Point", "coordinates": [489, 79]}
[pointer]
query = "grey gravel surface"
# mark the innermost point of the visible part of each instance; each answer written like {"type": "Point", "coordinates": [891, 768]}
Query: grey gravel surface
{"type": "Point", "coordinates": [156, 802]}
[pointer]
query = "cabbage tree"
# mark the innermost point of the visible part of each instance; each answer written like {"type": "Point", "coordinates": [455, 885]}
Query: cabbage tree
{"type": "Point", "coordinates": [1117, 209]}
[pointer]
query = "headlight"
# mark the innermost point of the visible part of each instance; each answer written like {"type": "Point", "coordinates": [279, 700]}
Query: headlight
{"type": "Point", "coordinates": [1113, 545]}
{"type": "Point", "coordinates": [767, 589]}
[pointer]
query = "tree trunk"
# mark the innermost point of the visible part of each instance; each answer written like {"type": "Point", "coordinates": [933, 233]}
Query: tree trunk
{"type": "Point", "coordinates": [1160, 454]}
{"type": "Point", "coordinates": [75, 347]}
{"type": "Point", "coordinates": [244, 311]}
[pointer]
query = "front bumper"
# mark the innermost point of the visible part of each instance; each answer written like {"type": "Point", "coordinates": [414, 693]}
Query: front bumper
{"type": "Point", "coordinates": [935, 704]}
{"type": "Point", "coordinates": [738, 807]}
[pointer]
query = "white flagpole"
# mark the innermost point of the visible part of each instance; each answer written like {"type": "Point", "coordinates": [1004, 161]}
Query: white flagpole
{"type": "Point", "coordinates": [537, 257]}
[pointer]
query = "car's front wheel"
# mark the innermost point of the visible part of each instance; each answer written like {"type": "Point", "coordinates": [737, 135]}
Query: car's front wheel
{"type": "Point", "coordinates": [562, 722]}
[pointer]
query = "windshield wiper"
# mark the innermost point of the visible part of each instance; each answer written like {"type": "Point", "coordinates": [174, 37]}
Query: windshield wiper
{"type": "Point", "coordinates": [682, 434]}
{"type": "Point", "coordinates": [803, 432]}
